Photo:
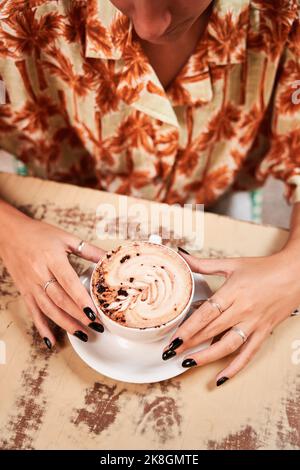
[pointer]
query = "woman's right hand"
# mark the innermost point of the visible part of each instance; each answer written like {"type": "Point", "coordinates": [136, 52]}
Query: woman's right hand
{"type": "Point", "coordinates": [35, 252]}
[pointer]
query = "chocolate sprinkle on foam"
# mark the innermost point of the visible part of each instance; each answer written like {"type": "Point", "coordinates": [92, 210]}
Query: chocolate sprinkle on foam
{"type": "Point", "coordinates": [101, 288]}
{"type": "Point", "coordinates": [125, 258]}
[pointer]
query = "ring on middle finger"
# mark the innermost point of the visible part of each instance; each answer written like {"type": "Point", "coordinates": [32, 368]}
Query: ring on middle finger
{"type": "Point", "coordinates": [215, 304]}
{"type": "Point", "coordinates": [240, 332]}
{"type": "Point", "coordinates": [48, 283]}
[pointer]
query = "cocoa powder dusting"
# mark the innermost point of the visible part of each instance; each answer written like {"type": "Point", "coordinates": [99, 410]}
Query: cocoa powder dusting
{"type": "Point", "coordinates": [65, 217]}
{"type": "Point", "coordinates": [246, 439]}
{"type": "Point", "coordinates": [290, 436]}
{"type": "Point", "coordinates": [101, 407]}
{"type": "Point", "coordinates": [160, 412]}
{"type": "Point", "coordinates": [7, 288]}
{"type": "Point", "coordinates": [293, 416]}
{"type": "Point", "coordinates": [30, 404]}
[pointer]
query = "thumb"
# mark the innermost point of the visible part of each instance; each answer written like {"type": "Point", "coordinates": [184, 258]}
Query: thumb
{"type": "Point", "coordinates": [222, 267]}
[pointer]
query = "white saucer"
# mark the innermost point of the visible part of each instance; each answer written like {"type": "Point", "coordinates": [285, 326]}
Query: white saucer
{"type": "Point", "coordinates": [126, 361]}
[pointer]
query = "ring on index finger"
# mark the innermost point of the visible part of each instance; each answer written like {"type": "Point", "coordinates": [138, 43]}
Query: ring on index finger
{"type": "Point", "coordinates": [48, 283]}
{"type": "Point", "coordinates": [80, 247]}
{"type": "Point", "coordinates": [215, 304]}
{"type": "Point", "coordinates": [240, 332]}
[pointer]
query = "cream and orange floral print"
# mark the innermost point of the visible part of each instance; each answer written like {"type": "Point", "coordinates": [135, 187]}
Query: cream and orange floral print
{"type": "Point", "coordinates": [85, 106]}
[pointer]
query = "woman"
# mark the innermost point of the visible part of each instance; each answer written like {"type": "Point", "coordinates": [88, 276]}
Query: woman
{"type": "Point", "coordinates": [172, 100]}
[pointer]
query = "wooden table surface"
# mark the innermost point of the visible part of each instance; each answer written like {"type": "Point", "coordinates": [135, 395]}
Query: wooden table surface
{"type": "Point", "coordinates": [52, 400]}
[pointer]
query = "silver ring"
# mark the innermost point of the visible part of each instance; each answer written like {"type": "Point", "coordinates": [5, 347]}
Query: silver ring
{"type": "Point", "coordinates": [240, 332]}
{"type": "Point", "coordinates": [49, 282]}
{"type": "Point", "coordinates": [80, 247]}
{"type": "Point", "coordinates": [215, 305]}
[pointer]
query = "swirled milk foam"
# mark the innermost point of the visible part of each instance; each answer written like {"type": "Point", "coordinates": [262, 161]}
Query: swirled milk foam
{"type": "Point", "coordinates": [142, 285]}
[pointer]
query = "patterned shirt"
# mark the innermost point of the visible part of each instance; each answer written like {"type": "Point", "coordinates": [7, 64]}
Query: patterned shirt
{"type": "Point", "coordinates": [84, 105]}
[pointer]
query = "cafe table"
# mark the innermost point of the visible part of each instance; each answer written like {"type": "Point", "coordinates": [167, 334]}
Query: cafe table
{"type": "Point", "coordinates": [53, 400]}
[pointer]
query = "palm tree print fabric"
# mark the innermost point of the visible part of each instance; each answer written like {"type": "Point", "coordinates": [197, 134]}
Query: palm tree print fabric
{"type": "Point", "coordinates": [85, 106]}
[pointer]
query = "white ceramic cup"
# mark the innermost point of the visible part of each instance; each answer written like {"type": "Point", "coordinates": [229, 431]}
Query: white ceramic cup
{"type": "Point", "coordinates": [143, 335]}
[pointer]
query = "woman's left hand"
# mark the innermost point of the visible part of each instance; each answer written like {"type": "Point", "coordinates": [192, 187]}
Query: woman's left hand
{"type": "Point", "coordinates": [258, 294]}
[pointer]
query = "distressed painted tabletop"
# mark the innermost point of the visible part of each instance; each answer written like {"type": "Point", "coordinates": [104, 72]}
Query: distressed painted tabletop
{"type": "Point", "coordinates": [52, 400]}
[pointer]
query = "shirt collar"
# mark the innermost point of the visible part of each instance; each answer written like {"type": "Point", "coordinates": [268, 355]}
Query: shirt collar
{"type": "Point", "coordinates": [108, 32]}
{"type": "Point", "coordinates": [224, 42]}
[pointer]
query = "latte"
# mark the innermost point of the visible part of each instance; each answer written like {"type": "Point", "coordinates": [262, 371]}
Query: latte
{"type": "Point", "coordinates": [142, 285]}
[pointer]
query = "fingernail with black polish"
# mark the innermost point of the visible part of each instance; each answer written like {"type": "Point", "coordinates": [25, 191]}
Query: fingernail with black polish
{"type": "Point", "coordinates": [183, 250]}
{"type": "Point", "coordinates": [221, 381]}
{"type": "Point", "coordinates": [81, 335]}
{"type": "Point", "coordinates": [97, 327]}
{"type": "Point", "coordinates": [189, 363]}
{"type": "Point", "coordinates": [47, 342]}
{"type": "Point", "coordinates": [175, 343]}
{"type": "Point", "coordinates": [168, 354]}
{"type": "Point", "coordinates": [89, 313]}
